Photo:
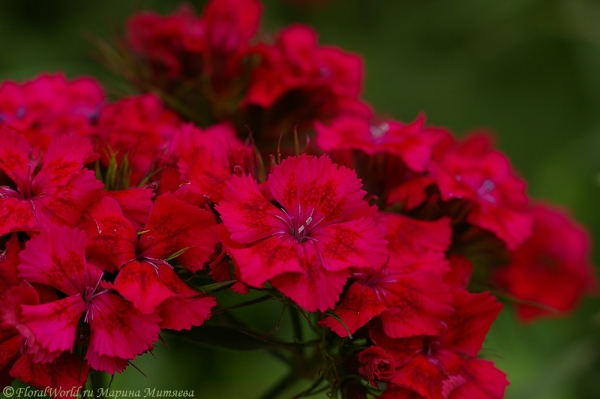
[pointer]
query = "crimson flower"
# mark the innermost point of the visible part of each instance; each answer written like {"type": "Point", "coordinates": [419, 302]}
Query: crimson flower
{"type": "Point", "coordinates": [552, 268]}
{"type": "Point", "coordinates": [408, 292]}
{"type": "Point", "coordinates": [306, 243]}
{"type": "Point", "coordinates": [446, 365]}
{"type": "Point", "coordinates": [118, 331]}
{"type": "Point", "coordinates": [376, 365]}
{"type": "Point", "coordinates": [471, 170]}
{"type": "Point", "coordinates": [53, 190]}
{"type": "Point", "coordinates": [145, 277]}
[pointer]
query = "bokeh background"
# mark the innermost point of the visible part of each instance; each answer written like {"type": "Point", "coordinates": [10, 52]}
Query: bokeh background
{"type": "Point", "coordinates": [527, 69]}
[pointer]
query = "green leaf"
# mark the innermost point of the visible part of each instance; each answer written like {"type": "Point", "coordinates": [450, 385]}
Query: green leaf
{"type": "Point", "coordinates": [178, 253]}
{"type": "Point", "coordinates": [209, 288]}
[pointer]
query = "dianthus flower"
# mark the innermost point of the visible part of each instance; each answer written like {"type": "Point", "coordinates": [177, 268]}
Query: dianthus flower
{"type": "Point", "coordinates": [445, 365]}
{"type": "Point", "coordinates": [552, 268]}
{"type": "Point", "coordinates": [50, 106]}
{"type": "Point", "coordinates": [174, 229]}
{"type": "Point", "coordinates": [118, 331]}
{"type": "Point", "coordinates": [408, 292]}
{"type": "Point", "coordinates": [138, 129]}
{"type": "Point", "coordinates": [306, 80]}
{"type": "Point", "coordinates": [53, 190]}
{"type": "Point", "coordinates": [306, 242]}
{"type": "Point", "coordinates": [207, 160]}
{"type": "Point", "coordinates": [473, 171]}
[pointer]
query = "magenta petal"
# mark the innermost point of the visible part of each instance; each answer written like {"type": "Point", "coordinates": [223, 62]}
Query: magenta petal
{"type": "Point", "coordinates": [422, 302]}
{"type": "Point", "coordinates": [118, 329]}
{"type": "Point", "coordinates": [181, 313]}
{"type": "Point", "coordinates": [470, 322]}
{"type": "Point", "coordinates": [66, 372]}
{"type": "Point", "coordinates": [187, 309]}
{"type": "Point", "coordinates": [56, 258]}
{"type": "Point", "coordinates": [110, 364]}
{"type": "Point", "coordinates": [135, 203]}
{"type": "Point", "coordinates": [308, 182]}
{"type": "Point", "coordinates": [246, 213]}
{"type": "Point", "coordinates": [111, 238]}
{"type": "Point", "coordinates": [482, 380]}
{"type": "Point", "coordinates": [317, 288]}
{"type": "Point", "coordinates": [16, 215]}
{"type": "Point", "coordinates": [140, 282]}
{"type": "Point", "coordinates": [53, 324]}
{"type": "Point", "coordinates": [359, 306]}
{"type": "Point", "coordinates": [65, 156]}
{"type": "Point", "coordinates": [14, 155]}
{"type": "Point", "coordinates": [357, 243]}
{"type": "Point", "coordinates": [64, 205]}
{"type": "Point", "coordinates": [174, 225]}
{"type": "Point", "coordinates": [267, 259]}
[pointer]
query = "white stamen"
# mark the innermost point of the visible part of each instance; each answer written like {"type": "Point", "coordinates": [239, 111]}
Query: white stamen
{"type": "Point", "coordinates": [300, 229]}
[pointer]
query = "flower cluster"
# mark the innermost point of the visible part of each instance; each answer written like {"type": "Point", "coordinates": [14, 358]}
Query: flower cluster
{"type": "Point", "coordinates": [256, 166]}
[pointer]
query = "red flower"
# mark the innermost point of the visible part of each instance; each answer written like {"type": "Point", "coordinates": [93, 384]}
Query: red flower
{"type": "Point", "coordinates": [436, 367]}
{"type": "Point", "coordinates": [552, 268]}
{"type": "Point", "coordinates": [376, 365]}
{"type": "Point", "coordinates": [139, 129]}
{"type": "Point", "coordinates": [408, 292]}
{"type": "Point", "coordinates": [145, 277]}
{"type": "Point", "coordinates": [118, 332]}
{"type": "Point", "coordinates": [207, 160]}
{"type": "Point", "coordinates": [411, 142]}
{"type": "Point", "coordinates": [50, 106]}
{"type": "Point", "coordinates": [57, 194]}
{"type": "Point", "coordinates": [471, 170]}
{"type": "Point", "coordinates": [324, 79]}
{"type": "Point", "coordinates": [306, 245]}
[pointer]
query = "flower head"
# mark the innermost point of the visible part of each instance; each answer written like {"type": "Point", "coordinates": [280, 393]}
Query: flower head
{"type": "Point", "coordinates": [306, 242]}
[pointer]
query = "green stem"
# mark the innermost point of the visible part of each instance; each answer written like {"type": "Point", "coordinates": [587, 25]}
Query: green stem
{"type": "Point", "coordinates": [243, 304]}
{"type": "Point", "coordinates": [280, 386]}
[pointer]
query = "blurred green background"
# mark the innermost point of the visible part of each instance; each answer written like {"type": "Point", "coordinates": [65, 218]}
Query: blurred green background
{"type": "Point", "coordinates": [527, 69]}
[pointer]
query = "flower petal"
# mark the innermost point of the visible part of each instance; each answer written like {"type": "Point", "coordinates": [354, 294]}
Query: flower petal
{"type": "Point", "coordinates": [14, 154]}
{"type": "Point", "coordinates": [64, 205]}
{"type": "Point", "coordinates": [267, 259]}
{"type": "Point", "coordinates": [56, 258]}
{"type": "Point", "coordinates": [470, 322]}
{"type": "Point", "coordinates": [65, 157]}
{"type": "Point", "coordinates": [66, 372]}
{"type": "Point", "coordinates": [420, 303]}
{"type": "Point", "coordinates": [247, 214]}
{"type": "Point", "coordinates": [174, 225]}
{"type": "Point", "coordinates": [316, 288]}
{"type": "Point", "coordinates": [185, 310]}
{"type": "Point", "coordinates": [356, 243]}
{"type": "Point", "coordinates": [111, 239]}
{"type": "Point", "coordinates": [53, 324]}
{"type": "Point", "coordinates": [135, 202]}
{"type": "Point", "coordinates": [311, 183]}
{"type": "Point", "coordinates": [141, 283]}
{"type": "Point", "coordinates": [16, 215]}
{"type": "Point", "coordinates": [359, 306]}
{"type": "Point", "coordinates": [118, 329]}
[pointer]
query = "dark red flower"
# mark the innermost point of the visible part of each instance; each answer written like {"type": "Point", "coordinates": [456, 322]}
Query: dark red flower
{"type": "Point", "coordinates": [408, 292]}
{"type": "Point", "coordinates": [376, 364]}
{"type": "Point", "coordinates": [118, 331]}
{"type": "Point", "coordinates": [445, 364]}
{"type": "Point", "coordinates": [552, 268]}
{"type": "Point", "coordinates": [306, 245]}
{"type": "Point", "coordinates": [56, 193]}
{"type": "Point", "coordinates": [473, 171]}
